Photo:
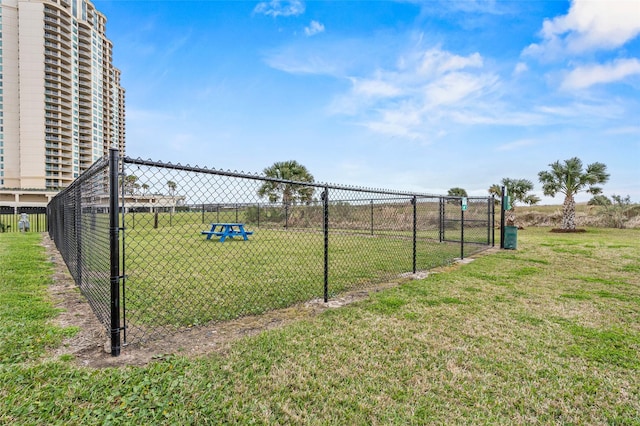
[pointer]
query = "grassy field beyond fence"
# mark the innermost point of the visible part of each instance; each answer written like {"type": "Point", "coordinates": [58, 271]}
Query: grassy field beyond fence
{"type": "Point", "coordinates": [177, 277]}
{"type": "Point", "coordinates": [549, 333]}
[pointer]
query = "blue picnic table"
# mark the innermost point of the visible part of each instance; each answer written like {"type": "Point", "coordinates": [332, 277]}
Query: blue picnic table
{"type": "Point", "coordinates": [224, 230]}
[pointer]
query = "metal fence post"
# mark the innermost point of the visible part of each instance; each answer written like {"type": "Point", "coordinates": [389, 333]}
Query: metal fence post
{"type": "Point", "coordinates": [504, 194]}
{"type": "Point", "coordinates": [489, 221]}
{"type": "Point", "coordinates": [114, 228]}
{"type": "Point", "coordinates": [371, 217]}
{"type": "Point", "coordinates": [325, 210]}
{"type": "Point", "coordinates": [461, 233]}
{"type": "Point", "coordinates": [441, 219]}
{"type": "Point", "coordinates": [415, 225]}
{"type": "Point", "coordinates": [493, 221]}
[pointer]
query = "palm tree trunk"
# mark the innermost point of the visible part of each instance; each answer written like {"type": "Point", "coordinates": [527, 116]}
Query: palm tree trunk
{"type": "Point", "coordinates": [511, 216]}
{"type": "Point", "coordinates": [569, 213]}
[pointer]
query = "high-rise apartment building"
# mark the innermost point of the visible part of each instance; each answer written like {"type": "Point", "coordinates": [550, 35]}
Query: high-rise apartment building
{"type": "Point", "coordinates": [61, 103]}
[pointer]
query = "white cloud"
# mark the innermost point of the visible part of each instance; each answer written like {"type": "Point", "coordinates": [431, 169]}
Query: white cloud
{"type": "Point", "coordinates": [520, 68]}
{"type": "Point", "coordinates": [589, 25]}
{"type": "Point", "coordinates": [627, 130]}
{"type": "Point", "coordinates": [492, 7]}
{"type": "Point", "coordinates": [416, 98]}
{"type": "Point", "coordinates": [497, 115]}
{"type": "Point", "coordinates": [452, 88]}
{"type": "Point", "coordinates": [314, 28]}
{"type": "Point", "coordinates": [277, 8]}
{"type": "Point", "coordinates": [605, 110]}
{"type": "Point", "coordinates": [374, 88]}
{"type": "Point", "coordinates": [586, 76]}
{"type": "Point", "coordinates": [294, 59]}
{"type": "Point", "coordinates": [403, 121]}
{"type": "Point", "coordinates": [436, 61]}
{"type": "Point", "coordinates": [516, 145]}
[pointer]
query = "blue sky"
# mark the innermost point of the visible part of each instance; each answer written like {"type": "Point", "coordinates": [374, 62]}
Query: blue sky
{"type": "Point", "coordinates": [409, 95]}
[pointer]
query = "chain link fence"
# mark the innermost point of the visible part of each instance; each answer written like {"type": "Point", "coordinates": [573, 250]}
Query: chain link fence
{"type": "Point", "coordinates": [78, 220]}
{"type": "Point", "coordinates": [198, 245]}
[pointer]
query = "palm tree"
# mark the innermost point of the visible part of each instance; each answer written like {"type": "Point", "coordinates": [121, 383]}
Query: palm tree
{"type": "Point", "coordinates": [172, 191]}
{"type": "Point", "coordinates": [518, 192]}
{"type": "Point", "coordinates": [172, 187]}
{"type": "Point", "coordinates": [569, 179]}
{"type": "Point", "coordinates": [289, 192]}
{"type": "Point", "coordinates": [599, 200]}
{"type": "Point", "coordinates": [130, 184]}
{"type": "Point", "coordinates": [457, 192]}
{"type": "Point", "coordinates": [145, 188]}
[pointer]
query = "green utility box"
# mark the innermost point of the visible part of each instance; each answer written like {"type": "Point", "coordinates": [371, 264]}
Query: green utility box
{"type": "Point", "coordinates": [511, 237]}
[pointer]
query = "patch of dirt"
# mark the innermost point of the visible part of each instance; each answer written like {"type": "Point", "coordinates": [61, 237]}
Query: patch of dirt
{"type": "Point", "coordinates": [567, 231]}
{"type": "Point", "coordinates": [91, 345]}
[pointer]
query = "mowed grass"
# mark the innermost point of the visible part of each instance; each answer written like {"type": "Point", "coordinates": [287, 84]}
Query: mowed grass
{"type": "Point", "coordinates": [25, 307]}
{"type": "Point", "coordinates": [547, 334]}
{"type": "Point", "coordinates": [176, 277]}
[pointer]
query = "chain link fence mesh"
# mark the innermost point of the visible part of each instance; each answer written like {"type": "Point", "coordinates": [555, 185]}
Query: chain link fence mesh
{"type": "Point", "coordinates": [290, 242]}
{"type": "Point", "coordinates": [322, 240]}
{"type": "Point", "coordinates": [79, 226]}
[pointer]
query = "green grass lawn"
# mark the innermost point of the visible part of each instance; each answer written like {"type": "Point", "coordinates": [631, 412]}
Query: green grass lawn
{"type": "Point", "coordinates": [547, 334]}
{"type": "Point", "coordinates": [177, 278]}
{"type": "Point", "coordinates": [24, 305]}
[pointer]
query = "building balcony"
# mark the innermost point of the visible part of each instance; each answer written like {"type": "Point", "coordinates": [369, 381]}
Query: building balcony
{"type": "Point", "coordinates": [53, 70]}
{"type": "Point", "coordinates": [64, 59]}
{"type": "Point", "coordinates": [83, 31]}
{"type": "Point", "coordinates": [51, 115]}
{"type": "Point", "coordinates": [51, 77]}
{"type": "Point", "coordinates": [51, 45]}
{"type": "Point", "coordinates": [68, 147]}
{"type": "Point", "coordinates": [56, 124]}
{"type": "Point", "coordinates": [55, 29]}
{"type": "Point", "coordinates": [51, 35]}
{"type": "Point", "coordinates": [84, 54]}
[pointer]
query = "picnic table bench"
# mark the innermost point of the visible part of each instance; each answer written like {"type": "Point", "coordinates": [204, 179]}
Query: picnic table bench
{"type": "Point", "coordinates": [224, 230]}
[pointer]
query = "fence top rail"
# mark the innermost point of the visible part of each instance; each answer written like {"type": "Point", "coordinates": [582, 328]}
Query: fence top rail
{"type": "Point", "coordinates": [205, 170]}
